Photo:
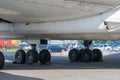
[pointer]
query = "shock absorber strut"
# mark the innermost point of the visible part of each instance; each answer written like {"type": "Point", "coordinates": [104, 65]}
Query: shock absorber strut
{"type": "Point", "coordinates": [33, 46]}
{"type": "Point", "coordinates": [87, 43]}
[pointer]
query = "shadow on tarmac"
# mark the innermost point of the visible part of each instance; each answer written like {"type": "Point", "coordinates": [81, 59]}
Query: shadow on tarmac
{"type": "Point", "coordinates": [111, 61]}
{"type": "Point", "coordinates": [6, 76]}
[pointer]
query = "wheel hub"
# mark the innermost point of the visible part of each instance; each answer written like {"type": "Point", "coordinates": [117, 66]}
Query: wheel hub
{"type": "Point", "coordinates": [30, 57]}
{"type": "Point", "coordinates": [73, 55]}
{"type": "Point", "coordinates": [18, 57]}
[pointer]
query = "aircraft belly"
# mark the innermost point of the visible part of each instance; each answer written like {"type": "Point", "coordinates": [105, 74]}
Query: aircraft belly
{"type": "Point", "coordinates": [65, 32]}
{"type": "Point", "coordinates": [87, 25]}
{"type": "Point", "coordinates": [51, 32]}
{"type": "Point", "coordinates": [87, 28]}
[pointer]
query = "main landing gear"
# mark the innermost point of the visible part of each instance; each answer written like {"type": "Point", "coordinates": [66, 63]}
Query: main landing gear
{"type": "Point", "coordinates": [32, 56]}
{"type": "Point", "coordinates": [85, 55]}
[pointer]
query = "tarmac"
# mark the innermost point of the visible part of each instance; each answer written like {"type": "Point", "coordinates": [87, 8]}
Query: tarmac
{"type": "Point", "coordinates": [62, 69]}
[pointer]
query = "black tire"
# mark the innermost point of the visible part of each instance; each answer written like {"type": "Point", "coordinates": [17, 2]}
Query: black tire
{"type": "Point", "coordinates": [73, 55]}
{"type": "Point", "coordinates": [2, 60]}
{"type": "Point", "coordinates": [20, 57]}
{"type": "Point", "coordinates": [87, 55]}
{"type": "Point", "coordinates": [44, 56]}
{"type": "Point", "coordinates": [97, 55]}
{"type": "Point", "coordinates": [81, 54]}
{"type": "Point", "coordinates": [32, 56]}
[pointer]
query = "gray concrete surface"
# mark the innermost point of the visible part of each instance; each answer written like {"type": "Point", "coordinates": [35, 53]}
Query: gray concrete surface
{"type": "Point", "coordinates": [62, 69]}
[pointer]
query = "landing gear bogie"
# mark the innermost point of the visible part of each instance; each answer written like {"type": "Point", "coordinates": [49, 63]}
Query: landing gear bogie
{"type": "Point", "coordinates": [85, 54]}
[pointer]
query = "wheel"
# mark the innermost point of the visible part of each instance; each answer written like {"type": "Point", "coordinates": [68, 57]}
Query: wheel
{"type": "Point", "coordinates": [32, 56]}
{"type": "Point", "coordinates": [97, 55]}
{"type": "Point", "coordinates": [81, 54]}
{"type": "Point", "coordinates": [44, 56]}
{"type": "Point", "coordinates": [73, 55]}
{"type": "Point", "coordinates": [87, 55]}
{"type": "Point", "coordinates": [2, 60]}
{"type": "Point", "coordinates": [20, 57]}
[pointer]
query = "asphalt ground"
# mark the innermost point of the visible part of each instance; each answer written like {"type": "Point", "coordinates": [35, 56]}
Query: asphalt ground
{"type": "Point", "coordinates": [62, 69]}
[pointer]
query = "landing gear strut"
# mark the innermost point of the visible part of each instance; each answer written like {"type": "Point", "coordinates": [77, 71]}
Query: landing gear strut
{"type": "Point", "coordinates": [85, 54]}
